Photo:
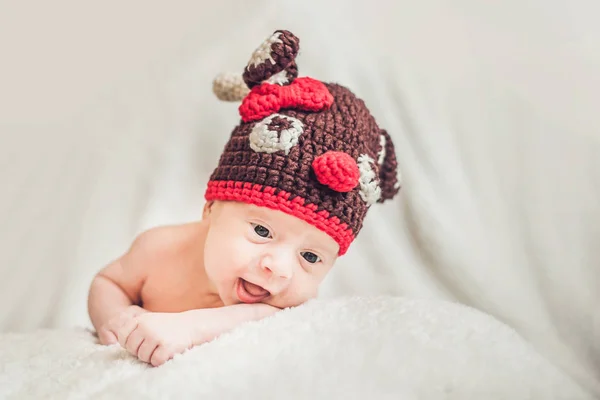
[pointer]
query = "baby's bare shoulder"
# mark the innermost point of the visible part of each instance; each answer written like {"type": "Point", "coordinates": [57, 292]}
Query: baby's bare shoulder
{"type": "Point", "coordinates": [167, 240]}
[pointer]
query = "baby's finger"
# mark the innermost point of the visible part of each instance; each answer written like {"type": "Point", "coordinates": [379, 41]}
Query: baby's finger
{"type": "Point", "coordinates": [124, 331]}
{"type": "Point", "coordinates": [160, 356]}
{"type": "Point", "coordinates": [117, 322]}
{"type": "Point", "coordinates": [124, 318]}
{"type": "Point", "coordinates": [134, 311]}
{"type": "Point", "coordinates": [107, 337]}
{"type": "Point", "coordinates": [133, 342]}
{"type": "Point", "coordinates": [146, 350]}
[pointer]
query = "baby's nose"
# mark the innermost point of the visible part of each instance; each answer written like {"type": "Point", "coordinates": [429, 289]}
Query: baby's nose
{"type": "Point", "coordinates": [276, 268]}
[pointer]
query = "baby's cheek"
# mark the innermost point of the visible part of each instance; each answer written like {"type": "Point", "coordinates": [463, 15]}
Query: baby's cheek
{"type": "Point", "coordinates": [307, 288]}
{"type": "Point", "coordinates": [220, 254]}
{"type": "Point", "coordinates": [237, 258]}
{"type": "Point", "coordinates": [241, 252]}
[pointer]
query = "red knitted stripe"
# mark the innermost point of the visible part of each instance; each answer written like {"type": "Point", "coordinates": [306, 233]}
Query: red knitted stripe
{"type": "Point", "coordinates": [265, 196]}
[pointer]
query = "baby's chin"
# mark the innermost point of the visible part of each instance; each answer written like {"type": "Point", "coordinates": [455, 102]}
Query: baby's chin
{"type": "Point", "coordinates": [230, 300]}
{"type": "Point", "coordinates": [275, 302]}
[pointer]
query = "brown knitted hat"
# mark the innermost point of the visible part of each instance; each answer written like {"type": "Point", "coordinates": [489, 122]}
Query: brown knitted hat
{"type": "Point", "coordinates": [304, 147]}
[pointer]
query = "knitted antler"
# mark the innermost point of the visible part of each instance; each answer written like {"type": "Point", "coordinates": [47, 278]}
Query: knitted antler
{"type": "Point", "coordinates": [273, 62]}
{"type": "Point", "coordinates": [230, 87]}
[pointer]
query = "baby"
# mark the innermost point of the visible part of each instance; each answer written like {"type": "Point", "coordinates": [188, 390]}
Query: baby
{"type": "Point", "coordinates": [287, 198]}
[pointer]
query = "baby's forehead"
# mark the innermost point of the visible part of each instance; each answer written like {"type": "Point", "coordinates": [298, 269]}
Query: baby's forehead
{"type": "Point", "coordinates": [269, 213]}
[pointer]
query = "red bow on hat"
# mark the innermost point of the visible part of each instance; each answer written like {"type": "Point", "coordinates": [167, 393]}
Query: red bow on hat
{"type": "Point", "coordinates": [303, 93]}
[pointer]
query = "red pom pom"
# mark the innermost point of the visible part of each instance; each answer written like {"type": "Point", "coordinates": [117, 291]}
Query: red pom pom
{"type": "Point", "coordinates": [337, 170]}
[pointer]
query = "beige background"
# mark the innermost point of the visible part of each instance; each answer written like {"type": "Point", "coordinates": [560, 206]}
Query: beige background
{"type": "Point", "coordinates": [108, 126]}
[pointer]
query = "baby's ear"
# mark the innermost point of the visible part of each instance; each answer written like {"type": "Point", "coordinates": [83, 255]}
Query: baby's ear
{"type": "Point", "coordinates": [207, 209]}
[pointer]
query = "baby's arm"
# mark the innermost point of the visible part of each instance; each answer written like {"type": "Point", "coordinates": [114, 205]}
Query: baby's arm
{"type": "Point", "coordinates": [115, 291]}
{"type": "Point", "coordinates": [156, 337]}
{"type": "Point", "coordinates": [209, 323]}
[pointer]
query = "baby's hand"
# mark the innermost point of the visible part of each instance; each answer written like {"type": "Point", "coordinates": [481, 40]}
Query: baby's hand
{"type": "Point", "coordinates": [156, 337]}
{"type": "Point", "coordinates": [108, 332]}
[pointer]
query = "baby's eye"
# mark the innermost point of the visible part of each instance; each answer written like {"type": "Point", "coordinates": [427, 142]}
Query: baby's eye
{"type": "Point", "coordinates": [310, 257]}
{"type": "Point", "coordinates": [261, 231]}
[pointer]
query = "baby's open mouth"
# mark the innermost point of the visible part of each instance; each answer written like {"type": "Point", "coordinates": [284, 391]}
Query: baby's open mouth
{"type": "Point", "coordinates": [248, 292]}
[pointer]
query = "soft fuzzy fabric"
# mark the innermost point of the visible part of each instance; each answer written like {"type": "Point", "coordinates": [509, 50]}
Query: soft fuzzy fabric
{"type": "Point", "coordinates": [381, 348]}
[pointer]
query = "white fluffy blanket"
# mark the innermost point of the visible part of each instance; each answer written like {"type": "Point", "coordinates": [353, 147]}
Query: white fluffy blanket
{"type": "Point", "coordinates": [381, 348]}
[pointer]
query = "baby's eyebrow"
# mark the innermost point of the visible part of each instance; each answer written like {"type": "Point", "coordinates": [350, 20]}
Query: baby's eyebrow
{"type": "Point", "coordinates": [318, 246]}
{"type": "Point", "coordinates": [257, 212]}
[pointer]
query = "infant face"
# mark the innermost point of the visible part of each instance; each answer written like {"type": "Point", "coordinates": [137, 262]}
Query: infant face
{"type": "Point", "coordinates": [255, 254]}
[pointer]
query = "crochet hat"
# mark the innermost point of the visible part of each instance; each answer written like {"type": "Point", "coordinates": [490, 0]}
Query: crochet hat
{"type": "Point", "coordinates": [307, 148]}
